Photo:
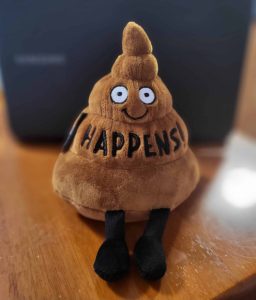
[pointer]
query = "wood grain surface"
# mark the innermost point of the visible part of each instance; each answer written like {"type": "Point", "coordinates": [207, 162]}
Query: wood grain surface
{"type": "Point", "coordinates": [47, 250]}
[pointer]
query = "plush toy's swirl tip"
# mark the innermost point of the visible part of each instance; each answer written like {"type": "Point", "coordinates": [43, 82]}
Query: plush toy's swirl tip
{"type": "Point", "coordinates": [135, 40]}
{"type": "Point", "coordinates": [137, 61]}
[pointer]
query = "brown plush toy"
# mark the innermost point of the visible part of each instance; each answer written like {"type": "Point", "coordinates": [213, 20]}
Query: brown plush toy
{"type": "Point", "coordinates": [127, 158]}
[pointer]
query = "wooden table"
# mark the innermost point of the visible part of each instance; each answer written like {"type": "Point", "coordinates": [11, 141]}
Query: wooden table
{"type": "Point", "coordinates": [47, 250]}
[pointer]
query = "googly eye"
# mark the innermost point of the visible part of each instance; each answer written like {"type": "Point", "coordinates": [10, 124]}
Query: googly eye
{"type": "Point", "coordinates": [147, 95]}
{"type": "Point", "coordinates": [119, 94]}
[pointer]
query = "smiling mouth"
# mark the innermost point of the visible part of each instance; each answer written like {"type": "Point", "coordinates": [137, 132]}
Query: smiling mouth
{"type": "Point", "coordinates": [134, 118]}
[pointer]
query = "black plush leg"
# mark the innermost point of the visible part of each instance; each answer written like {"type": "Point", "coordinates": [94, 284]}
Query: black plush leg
{"type": "Point", "coordinates": [112, 260]}
{"type": "Point", "coordinates": [148, 252]}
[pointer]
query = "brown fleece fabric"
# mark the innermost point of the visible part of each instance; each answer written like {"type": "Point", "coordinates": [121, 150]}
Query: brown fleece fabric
{"type": "Point", "coordinates": [132, 155]}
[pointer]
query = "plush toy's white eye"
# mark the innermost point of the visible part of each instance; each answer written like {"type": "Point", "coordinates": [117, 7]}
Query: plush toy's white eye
{"type": "Point", "coordinates": [147, 95]}
{"type": "Point", "coordinates": [119, 94]}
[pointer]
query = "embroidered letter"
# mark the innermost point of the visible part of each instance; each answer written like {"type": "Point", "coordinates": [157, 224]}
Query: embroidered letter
{"type": "Point", "coordinates": [134, 143]}
{"type": "Point", "coordinates": [175, 139]}
{"type": "Point", "coordinates": [88, 136]}
{"type": "Point", "coordinates": [163, 145]}
{"type": "Point", "coordinates": [117, 142]}
{"type": "Point", "coordinates": [101, 143]}
{"type": "Point", "coordinates": [147, 146]}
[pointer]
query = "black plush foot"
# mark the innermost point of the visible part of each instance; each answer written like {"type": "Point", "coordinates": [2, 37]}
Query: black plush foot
{"type": "Point", "coordinates": [148, 252]}
{"type": "Point", "coordinates": [150, 258]}
{"type": "Point", "coordinates": [112, 260]}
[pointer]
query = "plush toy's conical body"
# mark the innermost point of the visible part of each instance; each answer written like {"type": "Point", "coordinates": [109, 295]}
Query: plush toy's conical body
{"type": "Point", "coordinates": [128, 150]}
{"type": "Point", "coordinates": [131, 156]}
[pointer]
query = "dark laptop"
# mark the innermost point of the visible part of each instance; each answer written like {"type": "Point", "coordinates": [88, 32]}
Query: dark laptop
{"type": "Point", "coordinates": [53, 52]}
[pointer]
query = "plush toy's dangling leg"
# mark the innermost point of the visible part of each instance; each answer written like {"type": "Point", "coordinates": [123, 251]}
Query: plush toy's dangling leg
{"type": "Point", "coordinates": [148, 252]}
{"type": "Point", "coordinates": [112, 260]}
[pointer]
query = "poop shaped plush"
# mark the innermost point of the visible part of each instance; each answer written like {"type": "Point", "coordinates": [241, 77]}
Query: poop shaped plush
{"type": "Point", "coordinates": [127, 158]}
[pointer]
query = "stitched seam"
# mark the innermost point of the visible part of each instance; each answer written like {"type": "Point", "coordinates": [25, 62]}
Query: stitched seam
{"type": "Point", "coordinates": [128, 169]}
{"type": "Point", "coordinates": [95, 209]}
{"type": "Point", "coordinates": [166, 115]}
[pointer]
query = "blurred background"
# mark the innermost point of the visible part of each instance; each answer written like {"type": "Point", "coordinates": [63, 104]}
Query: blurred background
{"type": "Point", "coordinates": [51, 57]}
{"type": "Point", "coordinates": [51, 54]}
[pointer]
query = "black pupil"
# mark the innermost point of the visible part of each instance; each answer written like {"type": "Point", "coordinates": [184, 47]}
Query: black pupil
{"type": "Point", "coordinates": [119, 93]}
{"type": "Point", "coordinates": [146, 94]}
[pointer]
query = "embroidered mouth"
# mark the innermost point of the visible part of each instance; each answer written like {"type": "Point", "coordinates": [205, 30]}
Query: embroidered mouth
{"type": "Point", "coordinates": [134, 118]}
